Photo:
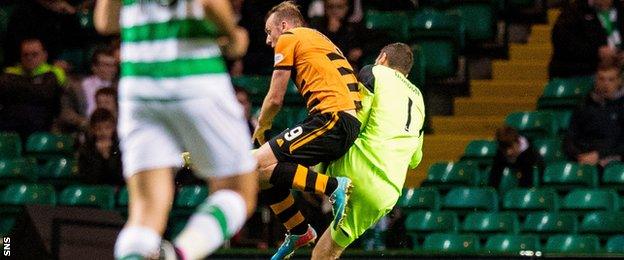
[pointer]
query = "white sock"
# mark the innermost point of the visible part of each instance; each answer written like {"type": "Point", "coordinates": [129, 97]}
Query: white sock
{"type": "Point", "coordinates": [137, 240]}
{"type": "Point", "coordinates": [215, 221]}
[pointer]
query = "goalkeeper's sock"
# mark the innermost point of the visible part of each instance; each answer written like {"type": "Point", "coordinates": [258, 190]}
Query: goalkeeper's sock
{"type": "Point", "coordinates": [215, 221]}
{"type": "Point", "coordinates": [296, 176]}
{"type": "Point", "coordinates": [283, 204]}
{"type": "Point", "coordinates": [137, 242]}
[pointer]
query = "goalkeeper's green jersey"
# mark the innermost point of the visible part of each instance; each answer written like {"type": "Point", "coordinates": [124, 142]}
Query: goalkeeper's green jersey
{"type": "Point", "coordinates": [392, 119]}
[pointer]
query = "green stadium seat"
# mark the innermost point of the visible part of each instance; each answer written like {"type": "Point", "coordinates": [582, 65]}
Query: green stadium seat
{"type": "Point", "coordinates": [26, 194]}
{"type": "Point", "coordinates": [451, 244]}
{"type": "Point", "coordinates": [441, 37]}
{"type": "Point", "coordinates": [550, 149]}
{"type": "Point", "coordinates": [508, 181]}
{"type": "Point", "coordinates": [394, 23]}
{"type": "Point", "coordinates": [420, 223]}
{"type": "Point", "coordinates": [466, 199]}
{"type": "Point", "coordinates": [98, 196]}
{"type": "Point", "coordinates": [573, 244]}
{"type": "Point", "coordinates": [511, 244]}
{"type": "Point", "coordinates": [449, 175]}
{"type": "Point", "coordinates": [523, 200]}
{"type": "Point", "coordinates": [419, 68]}
{"type": "Point", "coordinates": [46, 145]}
{"type": "Point", "coordinates": [485, 223]}
{"type": "Point", "coordinates": [10, 145]}
{"type": "Point", "coordinates": [565, 176]}
{"type": "Point", "coordinates": [258, 86]}
{"type": "Point", "coordinates": [479, 19]}
{"type": "Point", "coordinates": [615, 244]}
{"type": "Point", "coordinates": [191, 196]}
{"type": "Point", "coordinates": [563, 119]}
{"type": "Point", "coordinates": [16, 170]}
{"type": "Point", "coordinates": [6, 225]}
{"type": "Point", "coordinates": [419, 198]}
{"type": "Point", "coordinates": [583, 200]}
{"type": "Point", "coordinates": [122, 197]}
{"type": "Point", "coordinates": [533, 125]}
{"type": "Point", "coordinates": [62, 169]}
{"type": "Point", "coordinates": [564, 94]}
{"type": "Point", "coordinates": [548, 223]}
{"type": "Point", "coordinates": [613, 176]}
{"type": "Point", "coordinates": [481, 152]}
{"type": "Point", "coordinates": [603, 223]}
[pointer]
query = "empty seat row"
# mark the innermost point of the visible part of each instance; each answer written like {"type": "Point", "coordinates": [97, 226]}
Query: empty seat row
{"type": "Point", "coordinates": [444, 243]}
{"type": "Point", "coordinates": [18, 169]}
{"type": "Point", "coordinates": [541, 224]}
{"type": "Point", "coordinates": [41, 144]}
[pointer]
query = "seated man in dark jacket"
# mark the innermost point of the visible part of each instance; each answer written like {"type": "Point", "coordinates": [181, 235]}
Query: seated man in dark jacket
{"type": "Point", "coordinates": [516, 153]}
{"type": "Point", "coordinates": [596, 133]}
{"type": "Point", "coordinates": [586, 35]}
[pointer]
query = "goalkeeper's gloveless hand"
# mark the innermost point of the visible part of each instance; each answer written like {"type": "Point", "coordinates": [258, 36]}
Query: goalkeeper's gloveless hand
{"type": "Point", "coordinates": [259, 135]}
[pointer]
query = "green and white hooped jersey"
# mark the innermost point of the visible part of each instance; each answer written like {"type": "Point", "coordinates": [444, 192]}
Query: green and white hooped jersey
{"type": "Point", "coordinates": [168, 51]}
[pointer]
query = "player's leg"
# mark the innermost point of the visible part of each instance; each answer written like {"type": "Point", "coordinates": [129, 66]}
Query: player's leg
{"type": "Point", "coordinates": [326, 248]}
{"type": "Point", "coordinates": [213, 130]}
{"type": "Point", "coordinates": [149, 152]}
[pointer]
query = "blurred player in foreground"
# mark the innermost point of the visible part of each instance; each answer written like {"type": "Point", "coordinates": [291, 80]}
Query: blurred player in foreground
{"type": "Point", "coordinates": [176, 95]}
{"type": "Point", "coordinates": [392, 117]}
{"type": "Point", "coordinates": [331, 91]}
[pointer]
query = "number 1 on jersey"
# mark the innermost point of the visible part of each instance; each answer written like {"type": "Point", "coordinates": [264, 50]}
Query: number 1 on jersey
{"type": "Point", "coordinates": [409, 114]}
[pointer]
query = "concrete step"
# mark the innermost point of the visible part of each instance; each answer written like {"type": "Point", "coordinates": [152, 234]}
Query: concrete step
{"type": "Point", "coordinates": [492, 106]}
{"type": "Point", "coordinates": [540, 34]}
{"type": "Point", "coordinates": [482, 125]}
{"type": "Point", "coordinates": [520, 70]}
{"type": "Point", "coordinates": [505, 88]}
{"type": "Point", "coordinates": [532, 52]}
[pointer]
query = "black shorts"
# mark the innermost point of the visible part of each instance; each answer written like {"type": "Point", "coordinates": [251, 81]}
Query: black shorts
{"type": "Point", "coordinates": [319, 138]}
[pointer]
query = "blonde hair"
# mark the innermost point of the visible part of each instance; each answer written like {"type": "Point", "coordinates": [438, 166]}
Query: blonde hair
{"type": "Point", "coordinates": [287, 11]}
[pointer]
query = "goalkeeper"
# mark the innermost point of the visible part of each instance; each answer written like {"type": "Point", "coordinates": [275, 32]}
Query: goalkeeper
{"type": "Point", "coordinates": [390, 140]}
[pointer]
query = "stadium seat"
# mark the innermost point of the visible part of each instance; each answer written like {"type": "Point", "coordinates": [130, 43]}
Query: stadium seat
{"type": "Point", "coordinates": [16, 170]}
{"type": "Point", "coordinates": [441, 37]}
{"type": "Point", "coordinates": [613, 176]}
{"type": "Point", "coordinates": [480, 152]}
{"type": "Point", "coordinates": [533, 125]}
{"type": "Point", "coordinates": [288, 117]}
{"type": "Point", "coordinates": [603, 223]}
{"type": "Point", "coordinates": [419, 68]}
{"type": "Point", "coordinates": [10, 145]}
{"type": "Point", "coordinates": [448, 175]}
{"type": "Point", "coordinates": [583, 200]}
{"type": "Point", "coordinates": [615, 244]}
{"type": "Point", "coordinates": [548, 223]}
{"type": "Point", "coordinates": [523, 200]}
{"type": "Point", "coordinates": [61, 170]}
{"type": "Point", "coordinates": [550, 149]}
{"type": "Point", "coordinates": [563, 119]}
{"type": "Point", "coordinates": [419, 198]}
{"type": "Point", "coordinates": [26, 194]}
{"type": "Point", "coordinates": [563, 94]}
{"type": "Point", "coordinates": [98, 196]}
{"type": "Point", "coordinates": [451, 243]}
{"type": "Point", "coordinates": [258, 86]}
{"type": "Point", "coordinates": [424, 222]}
{"type": "Point", "coordinates": [509, 180]}
{"type": "Point", "coordinates": [466, 199]}
{"type": "Point", "coordinates": [191, 196]}
{"type": "Point", "coordinates": [485, 223]}
{"type": "Point", "coordinates": [565, 176]}
{"type": "Point", "coordinates": [43, 143]}
{"type": "Point", "coordinates": [479, 19]}
{"type": "Point", "coordinates": [394, 23]}
{"type": "Point", "coordinates": [573, 244]}
{"type": "Point", "coordinates": [511, 244]}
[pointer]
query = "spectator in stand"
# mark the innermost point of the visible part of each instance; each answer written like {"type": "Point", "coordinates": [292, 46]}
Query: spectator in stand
{"type": "Point", "coordinates": [243, 98]}
{"type": "Point", "coordinates": [79, 99]}
{"type": "Point", "coordinates": [99, 159]}
{"type": "Point", "coordinates": [516, 153]}
{"type": "Point", "coordinates": [596, 132]}
{"type": "Point", "coordinates": [335, 25]}
{"type": "Point", "coordinates": [107, 98]}
{"type": "Point", "coordinates": [30, 92]}
{"type": "Point", "coordinates": [587, 34]}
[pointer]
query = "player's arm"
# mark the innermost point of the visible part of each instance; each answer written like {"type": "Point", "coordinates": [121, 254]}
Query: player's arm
{"type": "Point", "coordinates": [106, 16]}
{"type": "Point", "coordinates": [272, 103]}
{"type": "Point", "coordinates": [236, 41]}
{"type": "Point", "coordinates": [418, 155]}
{"type": "Point", "coordinates": [367, 89]}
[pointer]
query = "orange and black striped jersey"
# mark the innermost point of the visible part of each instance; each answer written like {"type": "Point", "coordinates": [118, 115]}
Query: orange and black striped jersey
{"type": "Point", "coordinates": [320, 70]}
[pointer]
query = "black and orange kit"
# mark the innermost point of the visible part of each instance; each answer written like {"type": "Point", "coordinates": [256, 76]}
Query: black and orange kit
{"type": "Point", "coordinates": [329, 86]}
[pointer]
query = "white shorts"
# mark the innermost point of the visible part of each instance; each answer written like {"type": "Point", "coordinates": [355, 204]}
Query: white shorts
{"type": "Point", "coordinates": [154, 133]}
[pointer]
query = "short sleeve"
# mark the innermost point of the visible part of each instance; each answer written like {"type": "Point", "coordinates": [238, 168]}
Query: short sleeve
{"type": "Point", "coordinates": [285, 51]}
{"type": "Point", "coordinates": [418, 154]}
